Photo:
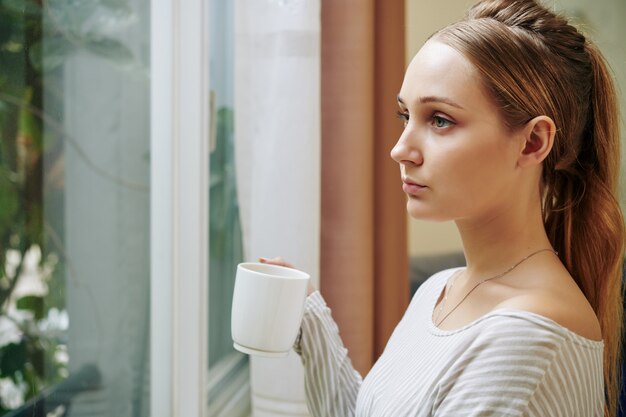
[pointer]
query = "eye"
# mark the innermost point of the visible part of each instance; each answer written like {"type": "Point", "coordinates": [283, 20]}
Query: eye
{"type": "Point", "coordinates": [441, 122]}
{"type": "Point", "coordinates": [404, 116]}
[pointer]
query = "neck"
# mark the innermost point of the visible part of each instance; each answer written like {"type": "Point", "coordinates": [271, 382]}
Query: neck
{"type": "Point", "coordinates": [494, 243]}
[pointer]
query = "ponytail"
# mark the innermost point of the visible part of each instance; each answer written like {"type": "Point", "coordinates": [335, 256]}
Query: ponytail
{"type": "Point", "coordinates": [587, 228]}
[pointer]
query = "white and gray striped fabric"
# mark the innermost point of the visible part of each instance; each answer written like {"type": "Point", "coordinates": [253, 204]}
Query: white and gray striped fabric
{"type": "Point", "coordinates": [507, 363]}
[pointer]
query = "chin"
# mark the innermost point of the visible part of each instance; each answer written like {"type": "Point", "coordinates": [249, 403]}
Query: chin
{"type": "Point", "coordinates": [418, 210]}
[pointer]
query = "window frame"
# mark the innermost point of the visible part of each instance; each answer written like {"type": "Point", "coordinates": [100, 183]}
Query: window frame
{"type": "Point", "coordinates": [179, 208]}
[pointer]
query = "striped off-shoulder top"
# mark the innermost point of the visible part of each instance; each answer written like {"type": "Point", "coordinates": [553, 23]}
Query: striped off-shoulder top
{"type": "Point", "coordinates": [506, 363]}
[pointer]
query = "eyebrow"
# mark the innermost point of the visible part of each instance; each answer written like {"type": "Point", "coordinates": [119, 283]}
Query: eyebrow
{"type": "Point", "coordinates": [435, 99]}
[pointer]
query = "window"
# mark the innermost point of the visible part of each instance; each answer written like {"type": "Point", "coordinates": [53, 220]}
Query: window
{"type": "Point", "coordinates": [75, 213]}
{"type": "Point", "coordinates": [229, 392]}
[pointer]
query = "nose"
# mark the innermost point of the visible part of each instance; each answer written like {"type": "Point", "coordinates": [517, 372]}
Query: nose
{"type": "Point", "coordinates": [406, 150]}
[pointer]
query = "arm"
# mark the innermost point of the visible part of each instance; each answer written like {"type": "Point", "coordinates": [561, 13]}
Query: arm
{"type": "Point", "coordinates": [331, 383]}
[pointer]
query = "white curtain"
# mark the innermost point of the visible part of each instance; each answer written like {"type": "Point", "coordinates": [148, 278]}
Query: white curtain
{"type": "Point", "coordinates": [277, 141]}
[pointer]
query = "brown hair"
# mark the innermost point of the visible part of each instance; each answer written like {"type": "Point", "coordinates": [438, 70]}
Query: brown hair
{"type": "Point", "coordinates": [533, 62]}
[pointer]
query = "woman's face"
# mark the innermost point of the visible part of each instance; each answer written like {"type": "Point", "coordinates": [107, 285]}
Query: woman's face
{"type": "Point", "coordinates": [457, 159]}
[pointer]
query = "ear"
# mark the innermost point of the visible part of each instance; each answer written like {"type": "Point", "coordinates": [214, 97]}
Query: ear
{"type": "Point", "coordinates": [538, 138]}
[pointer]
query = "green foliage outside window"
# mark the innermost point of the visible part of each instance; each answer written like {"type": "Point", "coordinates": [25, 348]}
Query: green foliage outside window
{"type": "Point", "coordinates": [36, 38]}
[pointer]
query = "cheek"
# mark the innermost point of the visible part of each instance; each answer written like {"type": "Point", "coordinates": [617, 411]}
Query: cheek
{"type": "Point", "coordinates": [472, 174]}
{"type": "Point", "coordinates": [461, 166]}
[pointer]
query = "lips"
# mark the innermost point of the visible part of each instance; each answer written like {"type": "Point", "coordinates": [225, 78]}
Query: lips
{"type": "Point", "coordinates": [412, 187]}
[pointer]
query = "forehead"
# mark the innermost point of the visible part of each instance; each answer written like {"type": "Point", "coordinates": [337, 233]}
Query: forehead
{"type": "Point", "coordinates": [441, 71]}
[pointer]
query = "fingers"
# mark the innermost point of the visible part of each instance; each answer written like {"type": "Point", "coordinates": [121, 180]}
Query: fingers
{"type": "Point", "coordinates": [281, 262]}
{"type": "Point", "coordinates": [276, 261]}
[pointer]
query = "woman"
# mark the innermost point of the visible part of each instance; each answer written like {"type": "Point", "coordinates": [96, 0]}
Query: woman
{"type": "Point", "coordinates": [511, 130]}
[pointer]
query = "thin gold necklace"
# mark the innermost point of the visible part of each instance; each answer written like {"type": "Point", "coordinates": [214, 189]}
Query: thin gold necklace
{"type": "Point", "coordinates": [445, 298]}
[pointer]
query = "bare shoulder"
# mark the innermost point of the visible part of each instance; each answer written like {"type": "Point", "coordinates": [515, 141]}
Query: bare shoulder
{"type": "Point", "coordinates": [559, 299]}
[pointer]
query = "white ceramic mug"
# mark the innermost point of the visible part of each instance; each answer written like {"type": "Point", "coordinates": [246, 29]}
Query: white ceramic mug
{"type": "Point", "coordinates": [268, 303]}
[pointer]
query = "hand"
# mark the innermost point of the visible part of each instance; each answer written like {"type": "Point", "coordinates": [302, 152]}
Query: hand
{"type": "Point", "coordinates": [277, 261]}
{"type": "Point", "coordinates": [281, 262]}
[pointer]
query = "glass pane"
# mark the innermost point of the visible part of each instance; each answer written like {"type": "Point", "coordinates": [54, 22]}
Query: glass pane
{"type": "Point", "coordinates": [74, 207]}
{"type": "Point", "coordinates": [225, 230]}
{"type": "Point", "coordinates": [228, 369]}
